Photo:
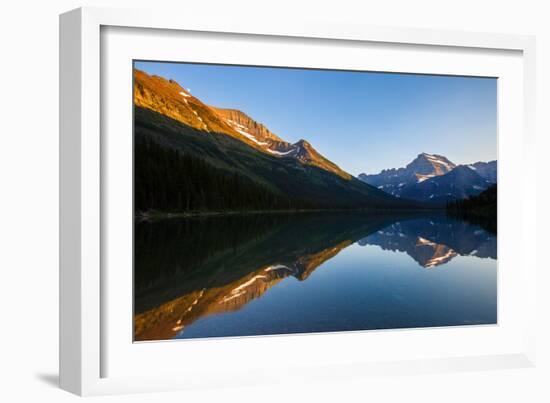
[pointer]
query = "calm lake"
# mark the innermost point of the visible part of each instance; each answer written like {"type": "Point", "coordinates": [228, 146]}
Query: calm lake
{"type": "Point", "coordinates": [310, 272]}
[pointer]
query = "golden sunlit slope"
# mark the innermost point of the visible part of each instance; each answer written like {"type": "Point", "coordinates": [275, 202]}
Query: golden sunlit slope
{"type": "Point", "coordinates": [170, 99]}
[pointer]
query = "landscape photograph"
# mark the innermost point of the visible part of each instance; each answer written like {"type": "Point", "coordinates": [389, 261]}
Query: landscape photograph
{"type": "Point", "coordinates": [275, 200]}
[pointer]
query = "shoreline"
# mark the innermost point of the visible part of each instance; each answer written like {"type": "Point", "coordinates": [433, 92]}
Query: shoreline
{"type": "Point", "coordinates": [161, 215]}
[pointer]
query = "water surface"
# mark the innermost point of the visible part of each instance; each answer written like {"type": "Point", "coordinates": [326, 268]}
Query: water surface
{"type": "Point", "coordinates": [298, 273]}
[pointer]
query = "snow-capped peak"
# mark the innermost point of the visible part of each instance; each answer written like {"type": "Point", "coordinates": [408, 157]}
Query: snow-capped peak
{"type": "Point", "coordinates": [436, 159]}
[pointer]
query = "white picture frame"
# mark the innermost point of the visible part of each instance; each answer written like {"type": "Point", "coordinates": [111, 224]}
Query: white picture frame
{"type": "Point", "coordinates": [87, 342]}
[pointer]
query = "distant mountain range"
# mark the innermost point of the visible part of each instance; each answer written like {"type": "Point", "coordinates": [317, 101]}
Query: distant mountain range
{"type": "Point", "coordinates": [243, 165]}
{"type": "Point", "coordinates": [434, 179]}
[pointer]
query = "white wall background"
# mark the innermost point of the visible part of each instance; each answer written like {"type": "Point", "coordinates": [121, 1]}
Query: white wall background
{"type": "Point", "coordinates": [29, 201]}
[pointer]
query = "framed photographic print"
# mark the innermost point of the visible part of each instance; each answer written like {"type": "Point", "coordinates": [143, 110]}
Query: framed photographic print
{"type": "Point", "coordinates": [239, 232]}
{"type": "Point", "coordinates": [326, 197]}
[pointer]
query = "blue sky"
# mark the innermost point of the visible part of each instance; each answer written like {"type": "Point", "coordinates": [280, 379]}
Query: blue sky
{"type": "Point", "coordinates": [362, 121]}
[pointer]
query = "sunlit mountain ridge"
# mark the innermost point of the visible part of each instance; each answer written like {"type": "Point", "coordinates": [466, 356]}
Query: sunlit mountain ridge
{"type": "Point", "coordinates": [228, 143]}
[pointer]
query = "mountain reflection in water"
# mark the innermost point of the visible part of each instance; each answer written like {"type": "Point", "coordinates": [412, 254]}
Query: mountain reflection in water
{"type": "Point", "coordinates": [433, 242]}
{"type": "Point", "coordinates": [229, 276]}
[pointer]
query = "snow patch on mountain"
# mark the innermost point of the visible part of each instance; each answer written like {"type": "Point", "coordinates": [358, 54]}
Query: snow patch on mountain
{"type": "Point", "coordinates": [277, 267]}
{"type": "Point", "coordinates": [279, 152]}
{"type": "Point", "coordinates": [423, 241]}
{"type": "Point", "coordinates": [251, 137]}
{"type": "Point", "coordinates": [243, 130]}
{"type": "Point", "coordinates": [434, 159]}
{"type": "Point", "coordinates": [440, 259]}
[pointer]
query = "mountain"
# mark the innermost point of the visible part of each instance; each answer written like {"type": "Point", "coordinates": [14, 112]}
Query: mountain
{"type": "Point", "coordinates": [170, 99]}
{"type": "Point", "coordinates": [435, 179]}
{"type": "Point", "coordinates": [274, 145]}
{"type": "Point", "coordinates": [423, 167]}
{"type": "Point", "coordinates": [487, 170]}
{"type": "Point", "coordinates": [459, 183]}
{"type": "Point", "coordinates": [223, 154]}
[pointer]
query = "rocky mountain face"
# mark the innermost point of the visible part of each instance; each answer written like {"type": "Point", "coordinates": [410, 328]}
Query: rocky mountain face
{"type": "Point", "coordinates": [426, 166]}
{"type": "Point", "coordinates": [231, 141]}
{"type": "Point", "coordinates": [248, 127]}
{"type": "Point", "coordinates": [274, 145]}
{"type": "Point", "coordinates": [434, 179]}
